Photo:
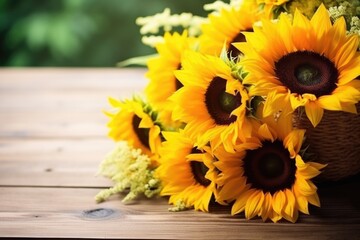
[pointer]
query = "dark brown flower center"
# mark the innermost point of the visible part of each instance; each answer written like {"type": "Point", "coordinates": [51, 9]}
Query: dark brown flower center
{"type": "Point", "coordinates": [270, 168]}
{"type": "Point", "coordinates": [199, 170]}
{"type": "Point", "coordinates": [178, 84]}
{"type": "Point", "coordinates": [307, 72]}
{"type": "Point", "coordinates": [141, 133]}
{"type": "Point", "coordinates": [220, 103]}
{"type": "Point", "coordinates": [233, 52]}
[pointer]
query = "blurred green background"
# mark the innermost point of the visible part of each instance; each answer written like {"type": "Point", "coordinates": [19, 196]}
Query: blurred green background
{"type": "Point", "coordinates": [79, 33]}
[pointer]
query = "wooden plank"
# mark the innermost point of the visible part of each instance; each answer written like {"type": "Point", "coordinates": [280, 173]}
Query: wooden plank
{"type": "Point", "coordinates": [52, 130]}
{"type": "Point", "coordinates": [95, 79]}
{"type": "Point", "coordinates": [49, 212]}
{"type": "Point", "coordinates": [59, 86]}
{"type": "Point", "coordinates": [61, 103]}
{"type": "Point", "coordinates": [53, 162]}
{"type": "Point", "coordinates": [51, 124]}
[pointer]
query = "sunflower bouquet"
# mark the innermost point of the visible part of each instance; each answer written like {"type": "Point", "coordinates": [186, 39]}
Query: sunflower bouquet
{"type": "Point", "coordinates": [222, 119]}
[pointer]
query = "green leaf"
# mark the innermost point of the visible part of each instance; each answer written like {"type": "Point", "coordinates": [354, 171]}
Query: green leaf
{"type": "Point", "coordinates": [141, 61]}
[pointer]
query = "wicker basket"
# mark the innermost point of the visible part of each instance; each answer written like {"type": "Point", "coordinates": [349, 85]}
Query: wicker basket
{"type": "Point", "coordinates": [335, 141]}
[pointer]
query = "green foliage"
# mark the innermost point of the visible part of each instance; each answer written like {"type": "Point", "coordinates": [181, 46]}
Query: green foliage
{"type": "Point", "coordinates": [78, 32]}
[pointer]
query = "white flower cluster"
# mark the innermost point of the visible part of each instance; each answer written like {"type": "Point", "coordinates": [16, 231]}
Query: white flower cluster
{"type": "Point", "coordinates": [338, 11]}
{"type": "Point", "coordinates": [166, 21]}
{"type": "Point", "coordinates": [218, 5]}
{"type": "Point", "coordinates": [355, 24]}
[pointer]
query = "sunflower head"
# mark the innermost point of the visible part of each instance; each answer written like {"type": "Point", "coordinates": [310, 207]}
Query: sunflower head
{"type": "Point", "coordinates": [134, 121]}
{"type": "Point", "coordinates": [227, 26]}
{"type": "Point", "coordinates": [163, 82]}
{"type": "Point", "coordinates": [311, 63]}
{"type": "Point", "coordinates": [267, 177]}
{"type": "Point", "coordinates": [185, 174]}
{"type": "Point", "coordinates": [212, 102]}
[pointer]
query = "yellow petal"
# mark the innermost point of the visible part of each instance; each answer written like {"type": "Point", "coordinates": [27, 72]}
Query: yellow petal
{"type": "Point", "coordinates": [348, 93]}
{"type": "Point", "coordinates": [254, 204]}
{"type": "Point", "coordinates": [114, 102]}
{"type": "Point", "coordinates": [266, 132]}
{"type": "Point", "coordinates": [348, 50]}
{"type": "Point", "coordinates": [308, 171]}
{"type": "Point", "coordinates": [293, 141]}
{"type": "Point", "coordinates": [146, 122]}
{"type": "Point", "coordinates": [321, 21]}
{"type": "Point", "coordinates": [232, 188]}
{"type": "Point", "coordinates": [239, 205]}
{"type": "Point", "coordinates": [301, 201]}
{"type": "Point", "coordinates": [274, 102]}
{"type": "Point", "coordinates": [350, 72]}
{"type": "Point", "coordinates": [303, 29]}
{"type": "Point", "coordinates": [203, 205]}
{"type": "Point", "coordinates": [302, 204]}
{"type": "Point", "coordinates": [305, 187]}
{"type": "Point", "coordinates": [316, 165]}
{"type": "Point", "coordinates": [314, 112]}
{"type": "Point", "coordinates": [285, 122]}
{"type": "Point", "coordinates": [275, 217]}
{"type": "Point", "coordinates": [267, 207]}
{"type": "Point", "coordinates": [279, 201]}
{"type": "Point", "coordinates": [349, 107]}
{"type": "Point", "coordinates": [289, 210]}
{"type": "Point", "coordinates": [314, 200]}
{"type": "Point", "coordinates": [296, 101]}
{"type": "Point", "coordinates": [330, 102]}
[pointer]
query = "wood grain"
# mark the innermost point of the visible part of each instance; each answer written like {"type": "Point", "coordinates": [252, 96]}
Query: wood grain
{"type": "Point", "coordinates": [57, 103]}
{"type": "Point", "coordinates": [52, 139]}
{"type": "Point", "coordinates": [52, 128]}
{"type": "Point", "coordinates": [51, 212]}
{"type": "Point", "coordinates": [53, 162]}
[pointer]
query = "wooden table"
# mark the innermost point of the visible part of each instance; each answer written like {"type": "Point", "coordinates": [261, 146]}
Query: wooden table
{"type": "Point", "coordinates": [52, 139]}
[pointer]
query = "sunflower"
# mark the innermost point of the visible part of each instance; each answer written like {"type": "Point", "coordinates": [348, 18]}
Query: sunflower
{"type": "Point", "coordinates": [227, 26]}
{"type": "Point", "coordinates": [133, 121]}
{"type": "Point", "coordinates": [212, 103]}
{"type": "Point", "coordinates": [163, 82]}
{"type": "Point", "coordinates": [186, 176]}
{"type": "Point", "coordinates": [267, 176]}
{"type": "Point", "coordinates": [312, 61]}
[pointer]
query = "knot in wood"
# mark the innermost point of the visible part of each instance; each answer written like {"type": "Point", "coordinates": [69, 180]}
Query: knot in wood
{"type": "Point", "coordinates": [98, 213]}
